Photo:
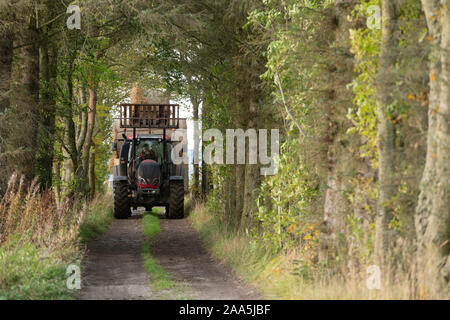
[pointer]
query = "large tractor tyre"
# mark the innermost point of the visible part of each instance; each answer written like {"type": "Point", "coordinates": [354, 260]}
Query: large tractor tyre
{"type": "Point", "coordinates": [122, 208]}
{"type": "Point", "coordinates": [176, 200]}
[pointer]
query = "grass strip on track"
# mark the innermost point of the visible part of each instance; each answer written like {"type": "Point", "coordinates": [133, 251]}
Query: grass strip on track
{"type": "Point", "coordinates": [160, 278]}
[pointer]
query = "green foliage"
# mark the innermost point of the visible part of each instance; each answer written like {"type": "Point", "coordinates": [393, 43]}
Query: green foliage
{"type": "Point", "coordinates": [296, 42]}
{"type": "Point", "coordinates": [90, 69]}
{"type": "Point", "coordinates": [102, 146]}
{"type": "Point", "coordinates": [28, 272]}
{"type": "Point", "coordinates": [98, 217]}
{"type": "Point", "coordinates": [406, 112]}
{"type": "Point", "coordinates": [366, 48]}
{"type": "Point", "coordinates": [284, 203]}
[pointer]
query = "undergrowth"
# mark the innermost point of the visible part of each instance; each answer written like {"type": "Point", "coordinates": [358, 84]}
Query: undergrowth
{"type": "Point", "coordinates": [38, 240]}
{"type": "Point", "coordinates": [284, 275]}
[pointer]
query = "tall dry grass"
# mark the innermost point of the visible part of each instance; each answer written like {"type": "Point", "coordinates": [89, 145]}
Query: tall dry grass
{"type": "Point", "coordinates": [31, 216]}
{"type": "Point", "coordinates": [38, 240]}
{"type": "Point", "coordinates": [291, 275]}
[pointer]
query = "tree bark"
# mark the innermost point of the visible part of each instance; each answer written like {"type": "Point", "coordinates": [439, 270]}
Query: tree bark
{"type": "Point", "coordinates": [72, 169]}
{"type": "Point", "coordinates": [339, 160]}
{"type": "Point", "coordinates": [195, 185]}
{"type": "Point", "coordinates": [81, 137]}
{"type": "Point", "coordinates": [92, 174]}
{"type": "Point", "coordinates": [252, 177]}
{"type": "Point", "coordinates": [44, 159]}
{"type": "Point", "coordinates": [230, 197]}
{"type": "Point", "coordinates": [239, 194]}
{"type": "Point", "coordinates": [205, 178]}
{"type": "Point", "coordinates": [432, 219]}
{"type": "Point", "coordinates": [6, 54]}
{"type": "Point", "coordinates": [26, 99]}
{"type": "Point", "coordinates": [57, 187]}
{"type": "Point", "coordinates": [385, 133]}
{"type": "Point", "coordinates": [89, 131]}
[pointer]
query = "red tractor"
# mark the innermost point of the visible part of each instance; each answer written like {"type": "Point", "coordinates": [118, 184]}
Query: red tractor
{"type": "Point", "coordinates": [145, 175]}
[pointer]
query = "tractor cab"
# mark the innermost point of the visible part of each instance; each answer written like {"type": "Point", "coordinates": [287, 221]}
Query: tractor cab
{"type": "Point", "coordinates": [149, 147]}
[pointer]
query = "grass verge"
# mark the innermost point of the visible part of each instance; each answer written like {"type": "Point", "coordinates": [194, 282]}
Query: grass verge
{"type": "Point", "coordinates": [274, 273]}
{"type": "Point", "coordinates": [38, 241]}
{"type": "Point", "coordinates": [29, 272]}
{"type": "Point", "coordinates": [249, 260]}
{"type": "Point", "coordinates": [99, 217]}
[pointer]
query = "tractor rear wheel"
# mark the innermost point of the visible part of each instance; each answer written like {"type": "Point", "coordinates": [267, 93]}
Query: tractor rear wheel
{"type": "Point", "coordinates": [176, 200]}
{"type": "Point", "coordinates": [122, 208]}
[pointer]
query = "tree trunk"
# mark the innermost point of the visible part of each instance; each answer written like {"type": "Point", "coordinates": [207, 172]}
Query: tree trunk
{"type": "Point", "coordinates": [432, 218]}
{"type": "Point", "coordinates": [195, 184]}
{"type": "Point", "coordinates": [205, 180]}
{"type": "Point", "coordinates": [230, 196]}
{"type": "Point", "coordinates": [81, 137]}
{"type": "Point", "coordinates": [339, 158]}
{"type": "Point", "coordinates": [44, 159]}
{"type": "Point", "coordinates": [333, 216]}
{"type": "Point", "coordinates": [385, 134]}
{"type": "Point", "coordinates": [92, 174]}
{"type": "Point", "coordinates": [72, 169]}
{"type": "Point", "coordinates": [239, 194]}
{"type": "Point", "coordinates": [205, 172]}
{"type": "Point", "coordinates": [6, 54]}
{"type": "Point", "coordinates": [26, 99]}
{"type": "Point", "coordinates": [252, 177]}
{"type": "Point", "coordinates": [89, 131]}
{"type": "Point", "coordinates": [57, 186]}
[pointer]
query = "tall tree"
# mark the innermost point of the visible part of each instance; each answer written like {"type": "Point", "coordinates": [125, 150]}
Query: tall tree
{"type": "Point", "coordinates": [6, 55]}
{"type": "Point", "coordinates": [89, 131]}
{"type": "Point", "coordinates": [196, 181]}
{"type": "Point", "coordinates": [432, 217]}
{"type": "Point", "coordinates": [340, 160]}
{"type": "Point", "coordinates": [26, 98]}
{"type": "Point", "coordinates": [48, 68]}
{"type": "Point", "coordinates": [386, 134]}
